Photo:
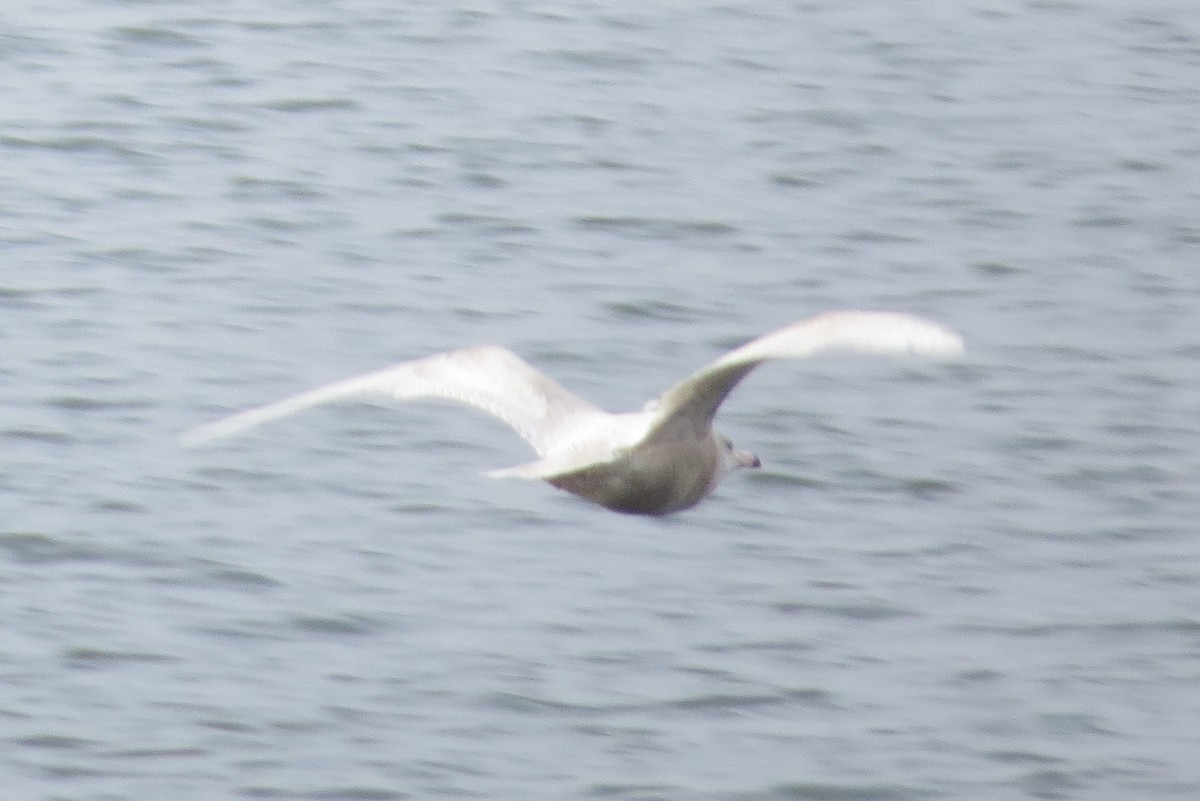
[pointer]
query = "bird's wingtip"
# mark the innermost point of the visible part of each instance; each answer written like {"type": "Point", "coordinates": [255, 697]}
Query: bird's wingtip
{"type": "Point", "coordinates": [944, 344]}
{"type": "Point", "coordinates": [195, 438]}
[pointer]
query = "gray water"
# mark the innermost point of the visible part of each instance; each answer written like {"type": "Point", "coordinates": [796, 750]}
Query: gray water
{"type": "Point", "coordinates": [966, 581]}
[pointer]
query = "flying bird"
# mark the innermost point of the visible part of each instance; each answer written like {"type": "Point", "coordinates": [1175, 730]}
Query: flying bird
{"type": "Point", "coordinates": [659, 460]}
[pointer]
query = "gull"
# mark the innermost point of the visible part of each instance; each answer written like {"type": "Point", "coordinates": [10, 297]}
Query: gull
{"type": "Point", "coordinates": [656, 461]}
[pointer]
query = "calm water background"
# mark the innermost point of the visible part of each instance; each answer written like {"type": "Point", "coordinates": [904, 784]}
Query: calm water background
{"type": "Point", "coordinates": [968, 581]}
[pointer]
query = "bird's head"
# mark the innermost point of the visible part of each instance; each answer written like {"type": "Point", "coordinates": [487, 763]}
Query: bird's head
{"type": "Point", "coordinates": [732, 458]}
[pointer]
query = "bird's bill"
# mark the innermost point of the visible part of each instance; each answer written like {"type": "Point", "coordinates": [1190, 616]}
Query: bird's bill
{"type": "Point", "coordinates": [746, 459]}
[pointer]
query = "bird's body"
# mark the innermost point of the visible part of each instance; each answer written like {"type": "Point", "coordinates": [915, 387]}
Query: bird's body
{"type": "Point", "coordinates": [648, 480]}
{"type": "Point", "coordinates": [656, 461]}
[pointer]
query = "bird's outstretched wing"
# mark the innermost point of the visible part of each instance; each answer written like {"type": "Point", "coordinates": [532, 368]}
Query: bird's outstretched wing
{"type": "Point", "coordinates": [489, 378]}
{"type": "Point", "coordinates": [690, 405]}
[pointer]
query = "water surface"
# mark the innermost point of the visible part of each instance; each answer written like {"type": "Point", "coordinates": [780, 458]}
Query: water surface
{"type": "Point", "coordinates": [970, 581]}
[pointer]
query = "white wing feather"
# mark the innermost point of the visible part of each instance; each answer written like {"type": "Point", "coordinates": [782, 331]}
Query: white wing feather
{"type": "Point", "coordinates": [491, 379]}
{"type": "Point", "coordinates": [692, 402]}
